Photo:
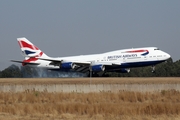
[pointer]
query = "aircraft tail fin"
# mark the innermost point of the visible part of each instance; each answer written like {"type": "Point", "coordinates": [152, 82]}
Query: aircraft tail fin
{"type": "Point", "coordinates": [29, 49]}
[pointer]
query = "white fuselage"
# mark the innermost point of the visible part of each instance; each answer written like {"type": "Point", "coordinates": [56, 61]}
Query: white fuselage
{"type": "Point", "coordinates": [120, 57]}
{"type": "Point", "coordinates": [119, 60]}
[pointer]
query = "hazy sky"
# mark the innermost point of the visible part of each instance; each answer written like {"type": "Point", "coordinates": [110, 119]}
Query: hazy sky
{"type": "Point", "coordinates": [76, 27]}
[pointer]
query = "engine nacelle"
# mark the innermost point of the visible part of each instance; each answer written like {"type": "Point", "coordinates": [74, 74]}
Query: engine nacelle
{"type": "Point", "coordinates": [98, 68]}
{"type": "Point", "coordinates": [123, 70]}
{"type": "Point", "coordinates": [68, 65]}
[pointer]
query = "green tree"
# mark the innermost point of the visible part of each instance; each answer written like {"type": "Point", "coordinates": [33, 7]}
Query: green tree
{"type": "Point", "coordinates": [11, 72]}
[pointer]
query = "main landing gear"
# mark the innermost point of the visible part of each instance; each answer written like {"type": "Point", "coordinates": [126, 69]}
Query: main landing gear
{"type": "Point", "coordinates": [153, 69]}
{"type": "Point", "coordinates": [92, 74]}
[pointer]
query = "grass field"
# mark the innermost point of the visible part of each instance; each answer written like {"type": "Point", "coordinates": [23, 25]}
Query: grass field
{"type": "Point", "coordinates": [126, 105]}
{"type": "Point", "coordinates": [33, 105]}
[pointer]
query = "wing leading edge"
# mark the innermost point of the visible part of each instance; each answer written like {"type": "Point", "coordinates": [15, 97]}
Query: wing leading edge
{"type": "Point", "coordinates": [79, 66]}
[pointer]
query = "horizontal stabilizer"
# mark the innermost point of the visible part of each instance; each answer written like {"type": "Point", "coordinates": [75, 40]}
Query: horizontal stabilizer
{"type": "Point", "coordinates": [25, 62]}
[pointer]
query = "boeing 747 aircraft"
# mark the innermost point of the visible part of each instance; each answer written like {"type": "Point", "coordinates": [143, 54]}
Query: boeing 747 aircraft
{"type": "Point", "coordinates": [114, 61]}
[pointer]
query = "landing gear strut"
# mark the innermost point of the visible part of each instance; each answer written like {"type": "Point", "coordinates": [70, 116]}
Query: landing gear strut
{"type": "Point", "coordinates": [153, 69]}
{"type": "Point", "coordinates": [92, 74]}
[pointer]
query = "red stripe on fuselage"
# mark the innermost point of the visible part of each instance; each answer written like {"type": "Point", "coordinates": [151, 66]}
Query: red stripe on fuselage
{"type": "Point", "coordinates": [134, 51]}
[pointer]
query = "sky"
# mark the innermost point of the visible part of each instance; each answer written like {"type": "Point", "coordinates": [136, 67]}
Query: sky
{"type": "Point", "coordinates": [78, 27]}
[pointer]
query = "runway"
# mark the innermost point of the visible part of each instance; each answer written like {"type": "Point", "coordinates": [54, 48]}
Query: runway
{"type": "Point", "coordinates": [86, 85]}
{"type": "Point", "coordinates": [107, 80]}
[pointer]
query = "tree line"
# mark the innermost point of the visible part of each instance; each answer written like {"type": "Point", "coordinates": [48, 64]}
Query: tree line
{"type": "Point", "coordinates": [165, 69]}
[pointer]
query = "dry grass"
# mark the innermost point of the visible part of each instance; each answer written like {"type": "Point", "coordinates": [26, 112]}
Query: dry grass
{"type": "Point", "coordinates": [129, 80]}
{"type": "Point", "coordinates": [34, 105]}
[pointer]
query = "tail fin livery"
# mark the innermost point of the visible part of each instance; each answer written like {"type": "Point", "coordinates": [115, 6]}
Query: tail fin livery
{"type": "Point", "coordinates": [29, 50]}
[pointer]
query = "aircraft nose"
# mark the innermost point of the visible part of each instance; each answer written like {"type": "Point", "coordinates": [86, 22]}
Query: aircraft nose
{"type": "Point", "coordinates": [168, 55]}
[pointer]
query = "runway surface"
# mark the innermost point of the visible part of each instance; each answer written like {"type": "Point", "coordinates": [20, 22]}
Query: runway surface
{"type": "Point", "coordinates": [86, 85]}
{"type": "Point", "coordinates": [129, 80]}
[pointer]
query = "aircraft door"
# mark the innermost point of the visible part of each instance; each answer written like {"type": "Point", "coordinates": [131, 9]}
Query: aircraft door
{"type": "Point", "coordinates": [124, 59]}
{"type": "Point", "coordinates": [98, 59]}
{"type": "Point", "coordinates": [104, 58]}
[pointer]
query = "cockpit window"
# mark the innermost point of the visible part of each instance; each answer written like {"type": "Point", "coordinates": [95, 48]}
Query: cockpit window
{"type": "Point", "coordinates": [156, 49]}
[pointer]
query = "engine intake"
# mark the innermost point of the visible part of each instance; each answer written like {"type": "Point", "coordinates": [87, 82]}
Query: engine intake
{"type": "Point", "coordinates": [98, 68]}
{"type": "Point", "coordinates": [68, 65]}
{"type": "Point", "coordinates": [123, 70]}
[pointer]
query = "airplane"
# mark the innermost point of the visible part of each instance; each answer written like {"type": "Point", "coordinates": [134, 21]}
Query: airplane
{"type": "Point", "coordinates": [115, 61]}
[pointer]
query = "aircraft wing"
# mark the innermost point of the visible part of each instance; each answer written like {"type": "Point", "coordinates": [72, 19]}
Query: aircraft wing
{"type": "Point", "coordinates": [25, 62]}
{"type": "Point", "coordinates": [80, 66]}
{"type": "Point", "coordinates": [88, 63]}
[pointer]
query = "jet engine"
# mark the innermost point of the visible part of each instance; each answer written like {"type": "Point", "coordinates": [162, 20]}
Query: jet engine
{"type": "Point", "coordinates": [123, 70]}
{"type": "Point", "coordinates": [98, 68]}
{"type": "Point", "coordinates": [68, 65]}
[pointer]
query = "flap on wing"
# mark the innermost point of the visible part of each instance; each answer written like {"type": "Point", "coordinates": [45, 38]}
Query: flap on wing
{"type": "Point", "coordinates": [63, 61]}
{"type": "Point", "coordinates": [101, 63]}
{"type": "Point", "coordinates": [80, 62]}
{"type": "Point", "coordinates": [106, 63]}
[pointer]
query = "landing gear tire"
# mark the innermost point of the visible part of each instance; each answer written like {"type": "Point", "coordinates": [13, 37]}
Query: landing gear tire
{"type": "Point", "coordinates": [92, 74]}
